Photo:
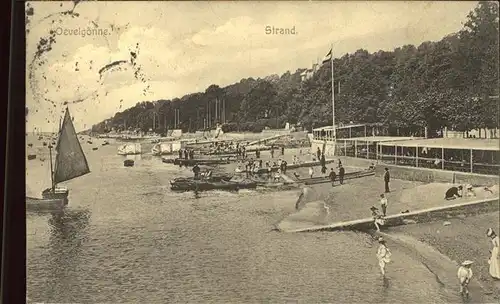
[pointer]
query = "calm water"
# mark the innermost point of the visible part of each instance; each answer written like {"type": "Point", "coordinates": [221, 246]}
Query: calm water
{"type": "Point", "coordinates": [125, 238]}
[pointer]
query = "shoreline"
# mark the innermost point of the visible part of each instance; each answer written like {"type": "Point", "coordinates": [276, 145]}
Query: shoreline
{"type": "Point", "coordinates": [464, 238]}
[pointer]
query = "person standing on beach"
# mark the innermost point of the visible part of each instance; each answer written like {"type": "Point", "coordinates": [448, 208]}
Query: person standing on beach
{"type": "Point", "coordinates": [383, 255]}
{"type": "Point", "coordinates": [272, 151]}
{"type": "Point", "coordinates": [341, 173]}
{"type": "Point", "coordinates": [387, 179]}
{"type": "Point", "coordinates": [332, 177]}
{"type": "Point", "coordinates": [464, 275]}
{"type": "Point", "coordinates": [311, 172]}
{"type": "Point", "coordinates": [494, 260]}
{"type": "Point", "coordinates": [180, 153]}
{"type": "Point", "coordinates": [318, 153]}
{"type": "Point", "coordinates": [383, 204]}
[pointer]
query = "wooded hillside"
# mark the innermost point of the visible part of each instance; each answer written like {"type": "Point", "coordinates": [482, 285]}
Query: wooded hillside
{"type": "Point", "coordinates": [436, 84]}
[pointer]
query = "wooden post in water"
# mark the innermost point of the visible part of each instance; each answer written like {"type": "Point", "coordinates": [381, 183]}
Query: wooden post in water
{"type": "Point", "coordinates": [395, 154]}
{"type": "Point", "coordinates": [416, 156]}
{"type": "Point", "coordinates": [442, 158]}
{"type": "Point", "coordinates": [471, 159]}
{"type": "Point", "coordinates": [367, 148]}
{"type": "Point", "coordinates": [51, 170]}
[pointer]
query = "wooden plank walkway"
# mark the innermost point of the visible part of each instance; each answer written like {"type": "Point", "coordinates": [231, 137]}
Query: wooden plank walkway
{"type": "Point", "coordinates": [398, 219]}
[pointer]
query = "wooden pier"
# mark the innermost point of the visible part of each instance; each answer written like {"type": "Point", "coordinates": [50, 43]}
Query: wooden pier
{"type": "Point", "coordinates": [472, 207]}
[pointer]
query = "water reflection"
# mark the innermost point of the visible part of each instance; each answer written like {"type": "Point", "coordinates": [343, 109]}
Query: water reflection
{"type": "Point", "coordinates": [67, 233]}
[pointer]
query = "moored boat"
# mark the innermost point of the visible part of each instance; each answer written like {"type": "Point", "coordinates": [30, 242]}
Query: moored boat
{"type": "Point", "coordinates": [166, 148]}
{"type": "Point", "coordinates": [128, 163]}
{"type": "Point", "coordinates": [31, 156]}
{"type": "Point", "coordinates": [168, 160]}
{"type": "Point", "coordinates": [200, 161]}
{"type": "Point", "coordinates": [130, 149]}
{"type": "Point", "coordinates": [215, 178]}
{"type": "Point", "coordinates": [206, 185]}
{"type": "Point", "coordinates": [35, 204]}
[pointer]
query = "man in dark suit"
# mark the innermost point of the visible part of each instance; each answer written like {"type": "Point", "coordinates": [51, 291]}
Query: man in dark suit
{"type": "Point", "coordinates": [387, 179]}
{"type": "Point", "coordinates": [341, 174]}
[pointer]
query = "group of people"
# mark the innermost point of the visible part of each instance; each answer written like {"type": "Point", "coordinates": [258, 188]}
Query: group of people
{"type": "Point", "coordinates": [456, 192]}
{"type": "Point", "coordinates": [186, 153]}
{"type": "Point", "coordinates": [199, 175]}
{"type": "Point", "coordinates": [379, 217]}
{"type": "Point", "coordinates": [252, 167]}
{"type": "Point", "coordinates": [464, 273]}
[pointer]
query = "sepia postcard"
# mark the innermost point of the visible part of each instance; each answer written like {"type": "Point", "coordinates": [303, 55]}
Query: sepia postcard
{"type": "Point", "coordinates": [262, 152]}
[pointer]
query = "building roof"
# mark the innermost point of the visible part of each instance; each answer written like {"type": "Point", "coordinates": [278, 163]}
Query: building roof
{"type": "Point", "coordinates": [449, 143]}
{"type": "Point", "coordinates": [346, 126]}
{"type": "Point", "coordinates": [381, 139]}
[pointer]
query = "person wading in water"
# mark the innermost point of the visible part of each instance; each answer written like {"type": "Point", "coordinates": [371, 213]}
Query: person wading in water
{"type": "Point", "coordinates": [383, 255]}
{"type": "Point", "coordinates": [464, 275]}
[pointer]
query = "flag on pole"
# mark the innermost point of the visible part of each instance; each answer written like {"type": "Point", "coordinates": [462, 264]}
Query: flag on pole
{"type": "Point", "coordinates": [328, 57]}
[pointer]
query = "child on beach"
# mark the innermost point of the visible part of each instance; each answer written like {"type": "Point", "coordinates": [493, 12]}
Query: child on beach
{"type": "Point", "coordinates": [383, 255]}
{"type": "Point", "coordinates": [311, 172]}
{"type": "Point", "coordinates": [464, 276]}
{"type": "Point", "coordinates": [469, 191]}
{"type": "Point", "coordinates": [378, 219]}
{"type": "Point", "coordinates": [383, 204]}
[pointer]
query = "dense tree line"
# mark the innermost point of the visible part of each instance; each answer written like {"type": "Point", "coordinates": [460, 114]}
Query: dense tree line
{"type": "Point", "coordinates": [446, 83]}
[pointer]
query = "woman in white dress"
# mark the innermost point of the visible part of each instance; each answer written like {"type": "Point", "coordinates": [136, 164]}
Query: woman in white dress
{"type": "Point", "coordinates": [494, 260]}
{"type": "Point", "coordinates": [383, 255]}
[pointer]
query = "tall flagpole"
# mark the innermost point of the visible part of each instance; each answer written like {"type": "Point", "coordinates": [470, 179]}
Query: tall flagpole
{"type": "Point", "coordinates": [333, 101]}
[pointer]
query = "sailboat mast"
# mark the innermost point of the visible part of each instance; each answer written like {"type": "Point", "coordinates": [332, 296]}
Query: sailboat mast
{"type": "Point", "coordinates": [51, 170]}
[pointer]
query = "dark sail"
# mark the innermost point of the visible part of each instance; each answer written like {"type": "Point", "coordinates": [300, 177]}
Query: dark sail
{"type": "Point", "coordinates": [70, 159]}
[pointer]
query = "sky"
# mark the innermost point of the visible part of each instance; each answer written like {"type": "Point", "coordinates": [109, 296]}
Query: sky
{"type": "Point", "coordinates": [183, 47]}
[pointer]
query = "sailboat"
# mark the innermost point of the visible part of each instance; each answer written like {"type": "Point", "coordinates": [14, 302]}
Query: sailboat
{"type": "Point", "coordinates": [70, 163]}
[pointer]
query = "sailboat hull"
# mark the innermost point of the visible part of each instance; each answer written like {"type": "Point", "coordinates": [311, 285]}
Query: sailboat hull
{"type": "Point", "coordinates": [58, 194]}
{"type": "Point", "coordinates": [38, 204]}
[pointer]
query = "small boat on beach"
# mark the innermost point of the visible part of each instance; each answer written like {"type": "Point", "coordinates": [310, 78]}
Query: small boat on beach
{"type": "Point", "coordinates": [105, 143]}
{"type": "Point", "coordinates": [70, 163]}
{"type": "Point", "coordinates": [95, 148]}
{"type": "Point", "coordinates": [31, 156]}
{"type": "Point", "coordinates": [206, 185]}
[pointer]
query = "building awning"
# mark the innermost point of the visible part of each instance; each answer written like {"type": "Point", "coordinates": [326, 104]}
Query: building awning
{"type": "Point", "coordinates": [449, 143]}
